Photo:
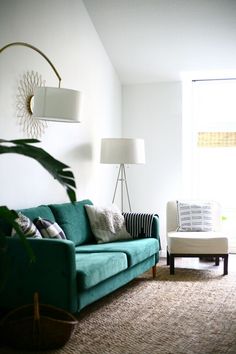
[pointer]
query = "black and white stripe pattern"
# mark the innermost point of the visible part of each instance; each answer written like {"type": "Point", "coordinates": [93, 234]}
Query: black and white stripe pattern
{"type": "Point", "coordinates": [138, 224]}
{"type": "Point", "coordinates": [49, 229]}
{"type": "Point", "coordinates": [194, 216]}
{"type": "Point", "coordinates": [26, 226]}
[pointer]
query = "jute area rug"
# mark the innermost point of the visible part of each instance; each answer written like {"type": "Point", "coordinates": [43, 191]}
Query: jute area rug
{"type": "Point", "coordinates": [192, 312]}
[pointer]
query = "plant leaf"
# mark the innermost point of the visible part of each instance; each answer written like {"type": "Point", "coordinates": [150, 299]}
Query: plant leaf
{"type": "Point", "coordinates": [24, 141]}
{"type": "Point", "coordinates": [56, 168]}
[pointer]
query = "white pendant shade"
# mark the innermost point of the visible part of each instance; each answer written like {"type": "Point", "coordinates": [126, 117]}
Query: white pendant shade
{"type": "Point", "coordinates": [57, 104]}
{"type": "Point", "coordinates": [122, 151]}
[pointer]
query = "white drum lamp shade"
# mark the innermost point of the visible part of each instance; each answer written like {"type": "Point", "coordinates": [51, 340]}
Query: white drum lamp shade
{"type": "Point", "coordinates": [122, 151]}
{"type": "Point", "coordinates": [57, 104]}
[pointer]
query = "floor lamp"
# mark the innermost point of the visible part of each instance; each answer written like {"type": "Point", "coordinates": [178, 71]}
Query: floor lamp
{"type": "Point", "coordinates": [122, 151]}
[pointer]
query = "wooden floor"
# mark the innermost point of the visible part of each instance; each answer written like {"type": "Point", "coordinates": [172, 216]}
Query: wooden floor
{"type": "Point", "coordinates": [196, 263]}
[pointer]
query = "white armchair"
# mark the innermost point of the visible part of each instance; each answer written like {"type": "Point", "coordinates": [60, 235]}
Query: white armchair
{"type": "Point", "coordinates": [189, 239]}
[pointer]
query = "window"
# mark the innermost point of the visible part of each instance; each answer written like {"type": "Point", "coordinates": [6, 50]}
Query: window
{"type": "Point", "coordinates": [213, 171]}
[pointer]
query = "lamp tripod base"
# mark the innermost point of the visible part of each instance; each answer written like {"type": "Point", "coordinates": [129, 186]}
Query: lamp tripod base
{"type": "Point", "coordinates": [121, 177]}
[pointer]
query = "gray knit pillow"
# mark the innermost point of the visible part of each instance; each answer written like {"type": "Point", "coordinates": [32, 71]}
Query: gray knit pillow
{"type": "Point", "coordinates": [26, 226]}
{"type": "Point", "coordinates": [107, 224]}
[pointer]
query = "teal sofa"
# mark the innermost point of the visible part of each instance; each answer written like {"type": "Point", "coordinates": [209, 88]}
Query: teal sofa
{"type": "Point", "coordinates": [75, 272]}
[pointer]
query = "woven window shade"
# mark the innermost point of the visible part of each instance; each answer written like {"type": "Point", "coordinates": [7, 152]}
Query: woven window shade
{"type": "Point", "coordinates": [216, 139]}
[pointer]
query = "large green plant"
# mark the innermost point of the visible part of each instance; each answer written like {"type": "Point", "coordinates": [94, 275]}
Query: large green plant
{"type": "Point", "coordinates": [57, 169]}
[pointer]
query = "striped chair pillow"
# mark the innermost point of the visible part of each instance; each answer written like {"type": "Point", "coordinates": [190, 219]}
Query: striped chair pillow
{"type": "Point", "coordinates": [194, 216]}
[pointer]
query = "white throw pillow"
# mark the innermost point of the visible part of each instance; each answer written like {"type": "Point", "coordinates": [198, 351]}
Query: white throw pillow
{"type": "Point", "coordinates": [107, 223]}
{"type": "Point", "coordinates": [195, 216]}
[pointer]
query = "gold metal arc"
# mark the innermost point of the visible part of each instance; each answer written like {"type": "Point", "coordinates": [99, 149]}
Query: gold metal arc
{"type": "Point", "coordinates": [37, 50]}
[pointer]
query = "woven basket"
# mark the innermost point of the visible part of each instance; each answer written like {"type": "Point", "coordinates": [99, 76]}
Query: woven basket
{"type": "Point", "coordinates": [37, 327]}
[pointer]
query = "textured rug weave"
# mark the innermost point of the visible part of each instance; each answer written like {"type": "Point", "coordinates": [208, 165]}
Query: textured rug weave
{"type": "Point", "coordinates": [192, 312]}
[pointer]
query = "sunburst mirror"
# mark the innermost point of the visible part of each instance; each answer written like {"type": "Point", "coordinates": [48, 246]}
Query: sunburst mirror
{"type": "Point", "coordinates": [32, 126]}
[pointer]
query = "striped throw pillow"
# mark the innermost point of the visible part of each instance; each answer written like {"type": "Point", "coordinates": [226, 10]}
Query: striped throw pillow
{"type": "Point", "coordinates": [49, 229]}
{"type": "Point", "coordinates": [194, 216]}
{"type": "Point", "coordinates": [27, 227]}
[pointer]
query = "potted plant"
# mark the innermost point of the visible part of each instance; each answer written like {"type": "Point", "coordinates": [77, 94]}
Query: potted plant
{"type": "Point", "coordinates": [63, 321]}
{"type": "Point", "coordinates": [57, 169]}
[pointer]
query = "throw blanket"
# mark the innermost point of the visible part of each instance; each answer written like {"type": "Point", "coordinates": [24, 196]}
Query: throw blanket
{"type": "Point", "coordinates": [138, 224]}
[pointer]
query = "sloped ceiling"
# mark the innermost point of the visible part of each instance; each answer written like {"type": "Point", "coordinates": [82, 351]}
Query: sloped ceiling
{"type": "Point", "coordinates": [157, 40]}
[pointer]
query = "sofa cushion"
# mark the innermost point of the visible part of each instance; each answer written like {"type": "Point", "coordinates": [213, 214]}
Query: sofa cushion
{"type": "Point", "coordinates": [42, 211]}
{"type": "Point", "coordinates": [73, 220]}
{"type": "Point", "coordinates": [93, 268]}
{"type": "Point", "coordinates": [136, 250]}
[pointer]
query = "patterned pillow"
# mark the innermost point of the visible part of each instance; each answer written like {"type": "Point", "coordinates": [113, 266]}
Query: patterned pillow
{"type": "Point", "coordinates": [27, 227]}
{"type": "Point", "coordinates": [194, 216]}
{"type": "Point", "coordinates": [107, 224]}
{"type": "Point", "coordinates": [49, 229]}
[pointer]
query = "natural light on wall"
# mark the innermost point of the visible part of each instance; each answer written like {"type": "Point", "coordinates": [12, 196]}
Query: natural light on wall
{"type": "Point", "coordinates": [214, 123]}
{"type": "Point", "coordinates": [214, 146]}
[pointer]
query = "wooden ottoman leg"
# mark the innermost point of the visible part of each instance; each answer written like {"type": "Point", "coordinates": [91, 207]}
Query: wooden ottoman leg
{"type": "Point", "coordinates": [217, 261]}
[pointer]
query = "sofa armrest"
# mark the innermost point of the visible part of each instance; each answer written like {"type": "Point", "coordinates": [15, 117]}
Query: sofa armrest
{"type": "Point", "coordinates": [52, 275]}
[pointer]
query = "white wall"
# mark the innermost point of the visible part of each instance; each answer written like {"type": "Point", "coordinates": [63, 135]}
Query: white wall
{"type": "Point", "coordinates": [63, 30]}
{"type": "Point", "coordinates": [154, 112]}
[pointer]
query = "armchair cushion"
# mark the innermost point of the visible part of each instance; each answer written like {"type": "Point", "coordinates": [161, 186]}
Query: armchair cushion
{"type": "Point", "coordinates": [197, 243]}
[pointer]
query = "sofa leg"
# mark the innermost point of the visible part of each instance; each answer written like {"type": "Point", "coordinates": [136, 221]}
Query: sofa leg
{"type": "Point", "coordinates": [172, 264]}
{"type": "Point", "coordinates": [225, 264]}
{"type": "Point", "coordinates": [217, 261]}
{"type": "Point", "coordinates": [154, 271]}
